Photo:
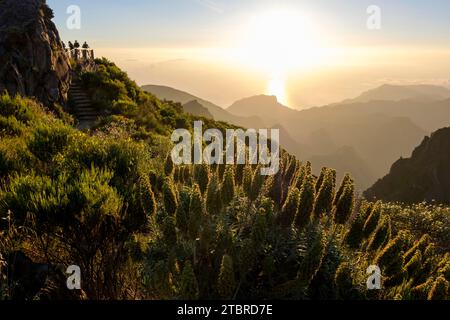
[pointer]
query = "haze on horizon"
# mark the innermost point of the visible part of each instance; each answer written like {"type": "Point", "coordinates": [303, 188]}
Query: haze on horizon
{"type": "Point", "coordinates": [307, 53]}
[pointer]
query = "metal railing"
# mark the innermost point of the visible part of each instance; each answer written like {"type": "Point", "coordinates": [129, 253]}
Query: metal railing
{"type": "Point", "coordinates": [81, 54]}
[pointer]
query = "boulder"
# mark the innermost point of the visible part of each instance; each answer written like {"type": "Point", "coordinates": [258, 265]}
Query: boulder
{"type": "Point", "coordinates": [33, 61]}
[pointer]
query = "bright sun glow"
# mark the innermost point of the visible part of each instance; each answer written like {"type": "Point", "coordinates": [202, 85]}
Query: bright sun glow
{"type": "Point", "coordinates": [277, 87]}
{"type": "Point", "coordinates": [279, 42]}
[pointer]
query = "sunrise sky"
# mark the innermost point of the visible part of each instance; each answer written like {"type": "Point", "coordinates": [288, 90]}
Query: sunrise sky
{"type": "Point", "coordinates": [306, 52]}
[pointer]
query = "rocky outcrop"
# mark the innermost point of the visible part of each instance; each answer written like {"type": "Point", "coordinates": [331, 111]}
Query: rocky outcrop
{"type": "Point", "coordinates": [423, 177]}
{"type": "Point", "coordinates": [33, 61]}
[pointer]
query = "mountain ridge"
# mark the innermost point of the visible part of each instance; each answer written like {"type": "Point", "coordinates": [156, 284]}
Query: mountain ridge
{"type": "Point", "coordinates": [425, 176]}
{"type": "Point", "coordinates": [220, 114]}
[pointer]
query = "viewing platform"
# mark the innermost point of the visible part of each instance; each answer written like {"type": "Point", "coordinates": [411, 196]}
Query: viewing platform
{"type": "Point", "coordinates": [82, 55]}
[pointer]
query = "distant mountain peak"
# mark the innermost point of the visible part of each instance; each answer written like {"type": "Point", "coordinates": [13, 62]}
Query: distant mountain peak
{"type": "Point", "coordinates": [196, 108]}
{"type": "Point", "coordinates": [261, 105]}
{"type": "Point", "coordinates": [262, 98]}
{"type": "Point", "coordinates": [396, 92]}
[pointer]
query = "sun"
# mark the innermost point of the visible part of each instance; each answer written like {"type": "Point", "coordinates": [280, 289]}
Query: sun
{"type": "Point", "coordinates": [279, 42]}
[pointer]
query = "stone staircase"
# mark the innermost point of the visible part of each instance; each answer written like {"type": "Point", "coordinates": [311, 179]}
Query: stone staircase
{"type": "Point", "coordinates": [83, 109]}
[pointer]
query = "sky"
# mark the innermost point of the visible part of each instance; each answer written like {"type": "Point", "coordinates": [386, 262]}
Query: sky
{"type": "Point", "coordinates": [306, 52]}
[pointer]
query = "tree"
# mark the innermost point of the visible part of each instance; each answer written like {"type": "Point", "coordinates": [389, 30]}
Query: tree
{"type": "Point", "coordinates": [314, 256]}
{"type": "Point", "coordinates": [213, 198]}
{"type": "Point", "coordinates": [290, 171]}
{"type": "Point", "coordinates": [169, 231]}
{"type": "Point", "coordinates": [195, 212]}
{"type": "Point", "coordinates": [354, 236]}
{"type": "Point", "coordinates": [345, 203]}
{"type": "Point", "coordinates": [228, 186]}
{"type": "Point", "coordinates": [321, 178]}
{"type": "Point", "coordinates": [344, 280]}
{"type": "Point", "coordinates": [168, 166]}
{"type": "Point", "coordinates": [306, 203]}
{"type": "Point", "coordinates": [189, 285]}
{"type": "Point", "coordinates": [300, 177]}
{"type": "Point", "coordinates": [258, 234]}
{"type": "Point", "coordinates": [187, 178]}
{"type": "Point", "coordinates": [146, 196]}
{"type": "Point", "coordinates": [414, 265]}
{"type": "Point", "coordinates": [226, 284]}
{"type": "Point", "coordinates": [289, 210]}
{"type": "Point", "coordinates": [170, 197]}
{"type": "Point", "coordinates": [420, 245]}
{"type": "Point", "coordinates": [440, 290]}
{"type": "Point", "coordinates": [372, 220]}
{"type": "Point", "coordinates": [346, 180]}
{"type": "Point", "coordinates": [325, 196]}
{"type": "Point", "coordinates": [381, 235]}
{"type": "Point", "coordinates": [257, 184]}
{"type": "Point", "coordinates": [239, 173]}
{"type": "Point", "coordinates": [247, 180]}
{"type": "Point", "coordinates": [201, 176]}
{"type": "Point", "coordinates": [182, 214]}
{"type": "Point", "coordinates": [276, 191]}
{"type": "Point", "coordinates": [391, 261]}
{"type": "Point", "coordinates": [444, 267]}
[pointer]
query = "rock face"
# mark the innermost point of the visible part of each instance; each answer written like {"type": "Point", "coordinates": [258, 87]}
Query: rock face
{"type": "Point", "coordinates": [423, 177]}
{"type": "Point", "coordinates": [33, 61]}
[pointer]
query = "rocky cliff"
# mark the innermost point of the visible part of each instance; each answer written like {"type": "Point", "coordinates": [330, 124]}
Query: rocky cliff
{"type": "Point", "coordinates": [423, 177]}
{"type": "Point", "coordinates": [32, 58]}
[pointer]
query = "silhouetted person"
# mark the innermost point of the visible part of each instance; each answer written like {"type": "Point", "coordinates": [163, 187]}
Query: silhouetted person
{"type": "Point", "coordinates": [76, 45]}
{"type": "Point", "coordinates": [71, 47]}
{"type": "Point", "coordinates": [85, 45]}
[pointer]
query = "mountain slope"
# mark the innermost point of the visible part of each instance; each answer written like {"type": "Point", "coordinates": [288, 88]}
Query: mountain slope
{"type": "Point", "coordinates": [266, 107]}
{"type": "Point", "coordinates": [345, 159]}
{"type": "Point", "coordinates": [379, 137]}
{"type": "Point", "coordinates": [195, 108]}
{"type": "Point", "coordinates": [171, 94]}
{"type": "Point", "coordinates": [390, 92]}
{"type": "Point", "coordinates": [425, 176]}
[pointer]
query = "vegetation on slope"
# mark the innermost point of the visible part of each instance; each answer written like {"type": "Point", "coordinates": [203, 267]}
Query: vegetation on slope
{"type": "Point", "coordinates": [112, 202]}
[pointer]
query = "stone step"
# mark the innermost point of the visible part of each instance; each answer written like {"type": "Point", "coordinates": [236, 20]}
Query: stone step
{"type": "Point", "coordinates": [79, 98]}
{"type": "Point", "coordinates": [88, 109]}
{"type": "Point", "coordinates": [78, 94]}
{"type": "Point", "coordinates": [86, 114]}
{"type": "Point", "coordinates": [93, 119]}
{"type": "Point", "coordinates": [82, 101]}
{"type": "Point", "coordinates": [83, 106]}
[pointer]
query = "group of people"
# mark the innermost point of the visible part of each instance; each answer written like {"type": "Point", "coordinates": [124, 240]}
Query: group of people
{"type": "Point", "coordinates": [79, 52]}
{"type": "Point", "coordinates": [76, 45]}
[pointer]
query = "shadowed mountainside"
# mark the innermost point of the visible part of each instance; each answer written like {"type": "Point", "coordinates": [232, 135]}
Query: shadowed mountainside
{"type": "Point", "coordinates": [423, 177]}
{"type": "Point", "coordinates": [195, 108]}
